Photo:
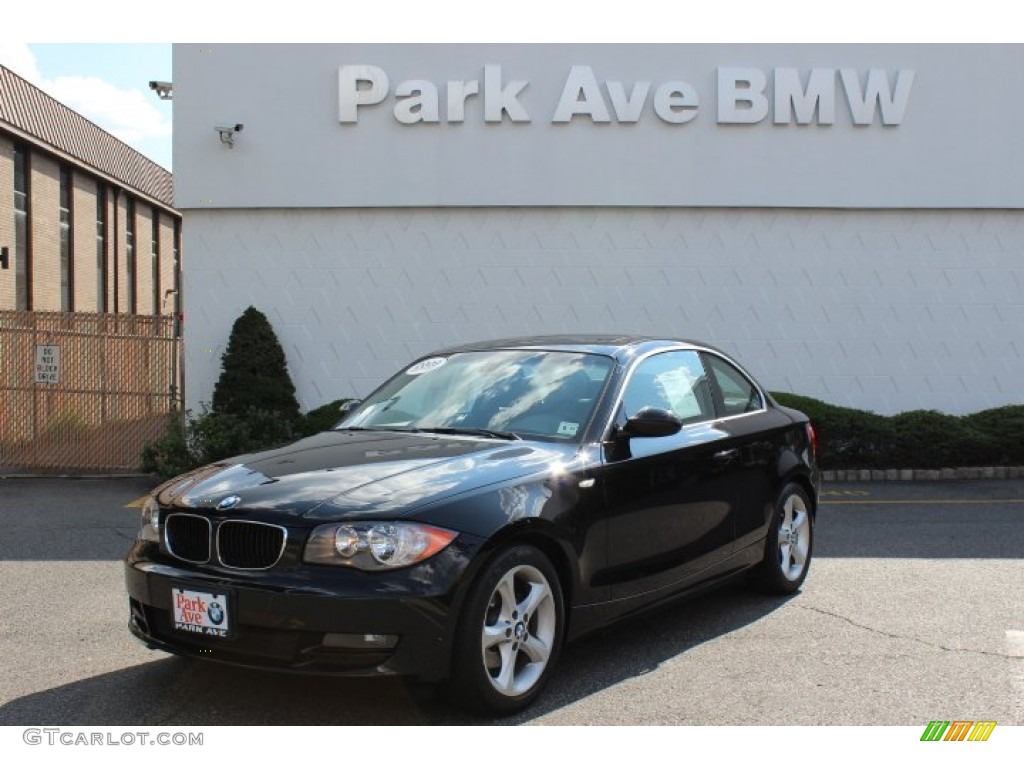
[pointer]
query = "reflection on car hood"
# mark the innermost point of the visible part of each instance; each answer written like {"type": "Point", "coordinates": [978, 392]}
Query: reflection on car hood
{"type": "Point", "coordinates": [337, 474]}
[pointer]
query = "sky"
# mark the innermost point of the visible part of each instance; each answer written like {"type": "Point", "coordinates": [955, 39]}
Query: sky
{"type": "Point", "coordinates": [108, 81]}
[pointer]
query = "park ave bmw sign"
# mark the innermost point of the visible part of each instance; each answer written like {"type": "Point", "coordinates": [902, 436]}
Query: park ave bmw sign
{"type": "Point", "coordinates": [745, 95]}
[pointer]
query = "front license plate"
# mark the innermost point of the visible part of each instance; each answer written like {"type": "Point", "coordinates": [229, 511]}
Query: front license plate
{"type": "Point", "coordinates": [200, 613]}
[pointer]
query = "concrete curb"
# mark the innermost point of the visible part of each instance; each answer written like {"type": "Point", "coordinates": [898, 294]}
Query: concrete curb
{"type": "Point", "coordinates": [914, 475]}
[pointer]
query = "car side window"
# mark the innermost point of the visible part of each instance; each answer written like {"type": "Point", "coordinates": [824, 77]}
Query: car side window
{"type": "Point", "coordinates": [739, 395]}
{"type": "Point", "coordinates": [674, 381]}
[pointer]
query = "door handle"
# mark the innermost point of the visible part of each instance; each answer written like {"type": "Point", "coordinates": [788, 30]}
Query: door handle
{"type": "Point", "coordinates": [727, 455]}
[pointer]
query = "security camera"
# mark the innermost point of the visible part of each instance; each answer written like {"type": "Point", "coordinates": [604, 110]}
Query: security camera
{"type": "Point", "coordinates": [163, 89]}
{"type": "Point", "coordinates": [227, 133]}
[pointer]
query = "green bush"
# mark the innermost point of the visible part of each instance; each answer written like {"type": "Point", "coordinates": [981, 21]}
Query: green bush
{"type": "Point", "coordinates": [853, 439]}
{"type": "Point", "coordinates": [254, 405]}
{"type": "Point", "coordinates": [170, 455]}
{"type": "Point", "coordinates": [323, 418]}
{"type": "Point", "coordinates": [190, 443]}
{"type": "Point", "coordinates": [1004, 431]}
{"type": "Point", "coordinates": [847, 437]}
{"type": "Point", "coordinates": [254, 372]}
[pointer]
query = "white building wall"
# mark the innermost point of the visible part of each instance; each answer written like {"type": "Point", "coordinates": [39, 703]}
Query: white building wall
{"type": "Point", "coordinates": [952, 142]}
{"type": "Point", "coordinates": [885, 310]}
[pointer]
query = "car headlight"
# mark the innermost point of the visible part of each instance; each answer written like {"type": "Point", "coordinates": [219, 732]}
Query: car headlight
{"type": "Point", "coordinates": [375, 546]}
{"type": "Point", "coordinates": [149, 525]}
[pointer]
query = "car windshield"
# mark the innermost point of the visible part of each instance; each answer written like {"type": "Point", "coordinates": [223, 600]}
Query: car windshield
{"type": "Point", "coordinates": [508, 393]}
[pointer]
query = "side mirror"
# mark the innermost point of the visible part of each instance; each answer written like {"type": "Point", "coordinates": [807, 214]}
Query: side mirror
{"type": "Point", "coordinates": [652, 422]}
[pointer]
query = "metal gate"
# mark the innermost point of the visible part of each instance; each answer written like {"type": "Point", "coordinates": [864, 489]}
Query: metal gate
{"type": "Point", "coordinates": [84, 391]}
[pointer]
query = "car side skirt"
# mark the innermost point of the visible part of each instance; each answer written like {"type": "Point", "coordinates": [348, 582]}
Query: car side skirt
{"type": "Point", "coordinates": [585, 619]}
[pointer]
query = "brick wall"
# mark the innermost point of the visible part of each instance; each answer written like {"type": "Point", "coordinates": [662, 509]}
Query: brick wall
{"type": "Point", "coordinates": [7, 294]}
{"type": "Point", "coordinates": [44, 234]}
{"type": "Point", "coordinates": [44, 221]}
{"type": "Point", "coordinates": [143, 258]}
{"type": "Point", "coordinates": [120, 266]}
{"type": "Point", "coordinates": [111, 239]}
{"type": "Point", "coordinates": [83, 232]}
{"type": "Point", "coordinates": [166, 263]}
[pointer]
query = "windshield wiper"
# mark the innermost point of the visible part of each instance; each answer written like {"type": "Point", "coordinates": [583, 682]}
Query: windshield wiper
{"type": "Point", "coordinates": [472, 431]}
{"type": "Point", "coordinates": [382, 428]}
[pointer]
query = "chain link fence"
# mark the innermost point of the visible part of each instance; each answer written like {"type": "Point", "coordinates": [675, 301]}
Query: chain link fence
{"type": "Point", "coordinates": [84, 391]}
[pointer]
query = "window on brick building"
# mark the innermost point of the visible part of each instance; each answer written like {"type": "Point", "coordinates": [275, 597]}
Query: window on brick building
{"type": "Point", "coordinates": [154, 260]}
{"type": "Point", "coordinates": [177, 268]}
{"type": "Point", "coordinates": [22, 258]}
{"type": "Point", "coordinates": [101, 247]}
{"type": "Point", "coordinates": [67, 296]}
{"type": "Point", "coordinates": [129, 256]}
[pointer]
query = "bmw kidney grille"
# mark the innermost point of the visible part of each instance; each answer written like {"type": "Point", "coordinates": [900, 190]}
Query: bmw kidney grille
{"type": "Point", "coordinates": [241, 544]}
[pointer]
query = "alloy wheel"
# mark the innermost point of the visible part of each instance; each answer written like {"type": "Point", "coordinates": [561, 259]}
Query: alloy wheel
{"type": "Point", "coordinates": [518, 632]}
{"type": "Point", "coordinates": [794, 537]}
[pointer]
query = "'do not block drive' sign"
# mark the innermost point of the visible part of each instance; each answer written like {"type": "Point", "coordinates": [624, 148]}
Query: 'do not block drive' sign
{"type": "Point", "coordinates": [47, 364]}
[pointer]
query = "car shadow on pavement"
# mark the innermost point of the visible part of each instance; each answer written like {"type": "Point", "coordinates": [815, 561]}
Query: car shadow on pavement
{"type": "Point", "coordinates": [177, 692]}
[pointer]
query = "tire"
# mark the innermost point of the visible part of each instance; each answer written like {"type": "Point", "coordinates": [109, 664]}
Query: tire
{"type": "Point", "coordinates": [789, 545]}
{"type": "Point", "coordinates": [510, 633]}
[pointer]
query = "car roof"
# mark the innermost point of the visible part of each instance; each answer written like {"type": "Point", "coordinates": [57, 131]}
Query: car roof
{"type": "Point", "coordinates": [620, 346]}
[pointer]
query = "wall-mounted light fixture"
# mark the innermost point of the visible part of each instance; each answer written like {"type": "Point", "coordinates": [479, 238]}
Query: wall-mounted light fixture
{"type": "Point", "coordinates": [4, 263]}
{"type": "Point", "coordinates": [163, 89]}
{"type": "Point", "coordinates": [227, 133]}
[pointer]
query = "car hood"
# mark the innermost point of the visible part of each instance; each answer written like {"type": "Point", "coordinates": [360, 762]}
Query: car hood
{"type": "Point", "coordinates": [335, 475]}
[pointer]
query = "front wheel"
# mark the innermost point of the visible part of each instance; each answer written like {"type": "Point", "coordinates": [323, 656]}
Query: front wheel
{"type": "Point", "coordinates": [509, 634]}
{"type": "Point", "coordinates": [790, 542]}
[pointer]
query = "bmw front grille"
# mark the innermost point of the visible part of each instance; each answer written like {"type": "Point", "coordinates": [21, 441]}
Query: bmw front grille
{"type": "Point", "coordinates": [238, 544]}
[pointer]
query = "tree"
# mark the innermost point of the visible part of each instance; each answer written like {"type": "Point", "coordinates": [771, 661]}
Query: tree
{"type": "Point", "coordinates": [254, 372]}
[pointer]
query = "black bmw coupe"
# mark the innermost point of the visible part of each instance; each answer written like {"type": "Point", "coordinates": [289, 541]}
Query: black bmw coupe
{"type": "Point", "coordinates": [482, 508]}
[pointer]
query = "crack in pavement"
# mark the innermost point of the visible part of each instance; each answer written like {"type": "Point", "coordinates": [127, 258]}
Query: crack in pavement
{"type": "Point", "coordinates": [897, 636]}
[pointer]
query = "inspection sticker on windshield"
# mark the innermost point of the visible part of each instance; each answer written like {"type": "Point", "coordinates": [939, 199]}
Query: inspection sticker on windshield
{"type": "Point", "coordinates": [423, 366]}
{"type": "Point", "coordinates": [203, 613]}
{"type": "Point", "coordinates": [569, 428]}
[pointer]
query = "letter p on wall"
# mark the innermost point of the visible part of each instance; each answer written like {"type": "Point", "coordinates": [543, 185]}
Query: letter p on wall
{"type": "Point", "coordinates": [359, 84]}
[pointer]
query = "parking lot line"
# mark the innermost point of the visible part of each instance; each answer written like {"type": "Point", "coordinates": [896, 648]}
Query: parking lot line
{"type": "Point", "coordinates": [138, 503]}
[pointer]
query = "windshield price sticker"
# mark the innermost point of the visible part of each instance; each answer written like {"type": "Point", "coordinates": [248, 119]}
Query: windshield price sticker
{"type": "Point", "coordinates": [203, 613]}
{"type": "Point", "coordinates": [425, 366]}
{"type": "Point", "coordinates": [569, 428]}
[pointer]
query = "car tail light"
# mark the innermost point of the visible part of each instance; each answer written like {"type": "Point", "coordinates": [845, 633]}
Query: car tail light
{"type": "Point", "coordinates": [812, 437]}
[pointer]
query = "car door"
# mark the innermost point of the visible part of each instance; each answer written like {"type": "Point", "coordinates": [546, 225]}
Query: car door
{"type": "Point", "coordinates": [669, 504]}
{"type": "Point", "coordinates": [748, 429]}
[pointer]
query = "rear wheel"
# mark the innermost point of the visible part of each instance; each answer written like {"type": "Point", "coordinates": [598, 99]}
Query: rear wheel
{"type": "Point", "coordinates": [787, 552]}
{"type": "Point", "coordinates": [510, 633]}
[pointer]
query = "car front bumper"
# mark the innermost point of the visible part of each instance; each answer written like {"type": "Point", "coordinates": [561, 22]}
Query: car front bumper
{"type": "Point", "coordinates": [316, 620]}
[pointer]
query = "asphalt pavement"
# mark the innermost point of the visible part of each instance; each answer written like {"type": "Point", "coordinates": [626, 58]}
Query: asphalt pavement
{"type": "Point", "coordinates": [913, 611]}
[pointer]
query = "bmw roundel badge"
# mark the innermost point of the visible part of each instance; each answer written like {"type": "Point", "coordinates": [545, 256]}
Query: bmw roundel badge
{"type": "Point", "coordinates": [228, 502]}
{"type": "Point", "coordinates": [216, 613]}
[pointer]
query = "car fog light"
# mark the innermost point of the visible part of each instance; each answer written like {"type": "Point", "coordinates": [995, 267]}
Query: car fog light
{"type": "Point", "coordinates": [359, 642]}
